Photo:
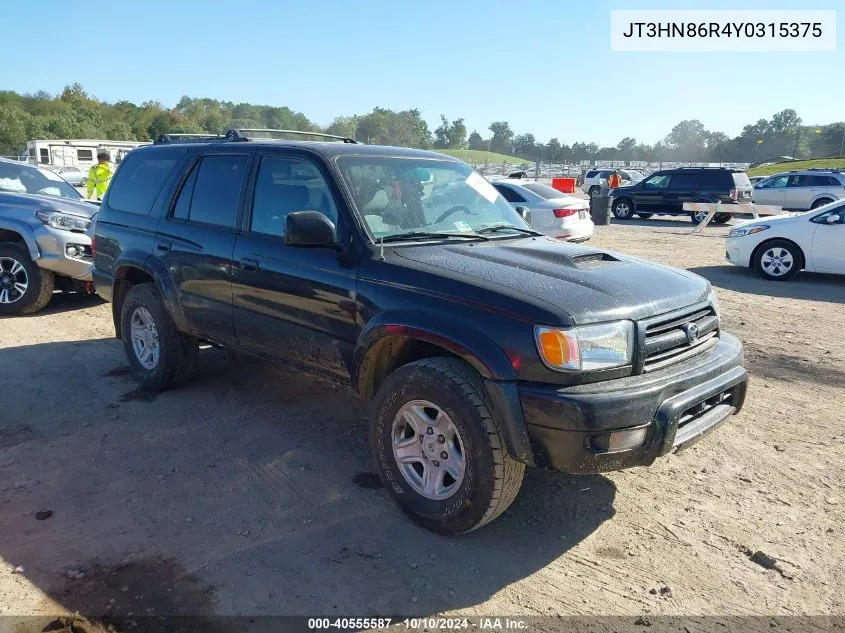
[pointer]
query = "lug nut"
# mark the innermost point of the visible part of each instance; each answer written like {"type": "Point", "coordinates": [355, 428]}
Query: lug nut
{"type": "Point", "coordinates": [436, 463]}
{"type": "Point", "coordinates": [444, 455]}
{"type": "Point", "coordinates": [430, 431]}
{"type": "Point", "coordinates": [441, 439]}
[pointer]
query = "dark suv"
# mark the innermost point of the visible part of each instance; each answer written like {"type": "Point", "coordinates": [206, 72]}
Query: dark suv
{"type": "Point", "coordinates": [485, 345]}
{"type": "Point", "coordinates": [665, 192]}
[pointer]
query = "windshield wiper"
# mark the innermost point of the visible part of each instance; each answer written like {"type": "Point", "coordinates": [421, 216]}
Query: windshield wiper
{"type": "Point", "coordinates": [422, 235]}
{"type": "Point", "coordinates": [501, 227]}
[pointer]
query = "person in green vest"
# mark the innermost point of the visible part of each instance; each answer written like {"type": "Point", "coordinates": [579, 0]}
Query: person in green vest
{"type": "Point", "coordinates": [99, 175]}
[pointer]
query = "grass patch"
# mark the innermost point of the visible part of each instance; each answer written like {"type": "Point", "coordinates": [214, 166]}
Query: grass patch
{"type": "Point", "coordinates": [479, 156]}
{"type": "Point", "coordinates": [818, 163]}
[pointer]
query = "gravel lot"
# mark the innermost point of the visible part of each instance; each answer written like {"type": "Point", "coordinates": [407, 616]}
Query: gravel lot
{"type": "Point", "coordinates": [250, 491]}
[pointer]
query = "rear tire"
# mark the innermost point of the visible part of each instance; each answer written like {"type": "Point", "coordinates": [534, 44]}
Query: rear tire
{"type": "Point", "coordinates": [419, 400]}
{"type": "Point", "coordinates": [595, 191]}
{"type": "Point", "coordinates": [722, 218]}
{"type": "Point", "coordinates": [623, 209]}
{"type": "Point", "coordinates": [777, 260]}
{"type": "Point", "coordinates": [159, 355]}
{"type": "Point", "coordinates": [24, 287]}
{"type": "Point", "coordinates": [645, 216]}
{"type": "Point", "coordinates": [821, 203]}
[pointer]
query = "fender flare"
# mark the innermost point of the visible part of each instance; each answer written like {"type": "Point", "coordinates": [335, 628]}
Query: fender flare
{"type": "Point", "coordinates": [24, 230]}
{"type": "Point", "coordinates": [161, 279]}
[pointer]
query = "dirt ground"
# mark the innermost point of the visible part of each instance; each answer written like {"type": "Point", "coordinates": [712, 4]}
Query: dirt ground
{"type": "Point", "coordinates": [250, 492]}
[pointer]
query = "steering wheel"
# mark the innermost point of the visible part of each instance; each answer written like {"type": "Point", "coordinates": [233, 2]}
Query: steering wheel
{"type": "Point", "coordinates": [452, 210]}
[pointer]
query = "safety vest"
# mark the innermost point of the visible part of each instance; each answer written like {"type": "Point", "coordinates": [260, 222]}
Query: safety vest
{"type": "Point", "coordinates": [98, 180]}
{"type": "Point", "coordinates": [614, 181]}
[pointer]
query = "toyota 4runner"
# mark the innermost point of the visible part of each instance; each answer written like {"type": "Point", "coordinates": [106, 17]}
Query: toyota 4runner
{"type": "Point", "coordinates": [486, 346]}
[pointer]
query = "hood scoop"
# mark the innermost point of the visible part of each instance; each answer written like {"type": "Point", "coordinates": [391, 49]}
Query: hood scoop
{"type": "Point", "coordinates": [588, 261]}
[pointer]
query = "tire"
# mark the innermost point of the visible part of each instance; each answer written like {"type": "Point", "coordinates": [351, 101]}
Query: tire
{"type": "Point", "coordinates": [595, 191]}
{"type": "Point", "coordinates": [24, 287]}
{"type": "Point", "coordinates": [490, 478]}
{"type": "Point", "coordinates": [821, 203]}
{"type": "Point", "coordinates": [722, 218]}
{"type": "Point", "coordinates": [697, 217]}
{"type": "Point", "coordinates": [623, 209]}
{"type": "Point", "coordinates": [82, 182]}
{"type": "Point", "coordinates": [177, 354]}
{"type": "Point", "coordinates": [787, 253]}
{"type": "Point", "coordinates": [644, 216]}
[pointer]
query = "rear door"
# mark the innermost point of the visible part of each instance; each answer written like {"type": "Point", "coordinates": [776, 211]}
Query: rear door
{"type": "Point", "coordinates": [196, 239]}
{"type": "Point", "coordinates": [801, 189]}
{"type": "Point", "coordinates": [771, 190]}
{"type": "Point", "coordinates": [294, 304]}
{"type": "Point", "coordinates": [683, 187]}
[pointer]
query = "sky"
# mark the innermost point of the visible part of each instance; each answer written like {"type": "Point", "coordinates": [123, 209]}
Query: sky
{"type": "Point", "coordinates": [545, 66]}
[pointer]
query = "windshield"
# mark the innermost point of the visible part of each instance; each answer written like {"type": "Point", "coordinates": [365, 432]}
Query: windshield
{"type": "Point", "coordinates": [26, 179]}
{"type": "Point", "coordinates": [399, 195]}
{"type": "Point", "coordinates": [544, 191]}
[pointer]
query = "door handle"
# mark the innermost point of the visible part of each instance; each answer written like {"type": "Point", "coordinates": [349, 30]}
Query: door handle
{"type": "Point", "coordinates": [163, 245]}
{"type": "Point", "coordinates": [249, 265]}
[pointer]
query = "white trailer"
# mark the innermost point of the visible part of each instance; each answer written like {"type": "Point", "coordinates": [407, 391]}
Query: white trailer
{"type": "Point", "coordinates": [80, 153]}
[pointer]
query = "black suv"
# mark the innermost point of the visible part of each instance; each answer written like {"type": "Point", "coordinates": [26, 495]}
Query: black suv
{"type": "Point", "coordinates": [665, 192]}
{"type": "Point", "coordinates": [485, 345]}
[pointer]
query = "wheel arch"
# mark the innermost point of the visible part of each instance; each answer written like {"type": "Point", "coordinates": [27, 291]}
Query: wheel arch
{"type": "Point", "coordinates": [762, 245]}
{"type": "Point", "coordinates": [129, 273]}
{"type": "Point", "coordinates": [11, 231]}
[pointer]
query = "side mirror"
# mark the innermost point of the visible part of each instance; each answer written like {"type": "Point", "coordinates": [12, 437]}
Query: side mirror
{"type": "Point", "coordinates": [522, 211]}
{"type": "Point", "coordinates": [310, 228]}
{"type": "Point", "coordinates": [833, 218]}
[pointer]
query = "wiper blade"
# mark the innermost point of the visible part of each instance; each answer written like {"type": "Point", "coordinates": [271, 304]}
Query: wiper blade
{"type": "Point", "coordinates": [501, 227]}
{"type": "Point", "coordinates": [422, 235]}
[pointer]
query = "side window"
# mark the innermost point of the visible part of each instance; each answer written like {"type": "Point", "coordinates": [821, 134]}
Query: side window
{"type": "Point", "coordinates": [217, 190]}
{"type": "Point", "coordinates": [182, 208]}
{"type": "Point", "coordinates": [715, 181]}
{"type": "Point", "coordinates": [658, 181]}
{"type": "Point", "coordinates": [591, 174]}
{"type": "Point", "coordinates": [286, 184]}
{"type": "Point", "coordinates": [44, 156]}
{"type": "Point", "coordinates": [832, 181]}
{"type": "Point", "coordinates": [509, 194]}
{"type": "Point", "coordinates": [683, 181]}
{"type": "Point", "coordinates": [773, 183]}
{"type": "Point", "coordinates": [84, 154]}
{"type": "Point", "coordinates": [139, 180]}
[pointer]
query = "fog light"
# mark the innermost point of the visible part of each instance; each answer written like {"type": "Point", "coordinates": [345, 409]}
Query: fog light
{"type": "Point", "coordinates": [71, 250]}
{"type": "Point", "coordinates": [626, 440]}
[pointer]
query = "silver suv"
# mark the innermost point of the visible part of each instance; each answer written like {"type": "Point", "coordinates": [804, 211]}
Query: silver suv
{"type": "Point", "coordinates": [801, 190]}
{"type": "Point", "coordinates": [594, 179]}
{"type": "Point", "coordinates": [45, 238]}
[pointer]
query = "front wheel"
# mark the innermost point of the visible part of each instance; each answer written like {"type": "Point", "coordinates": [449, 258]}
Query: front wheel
{"type": "Point", "coordinates": [439, 449]}
{"type": "Point", "coordinates": [777, 260]}
{"type": "Point", "coordinates": [24, 287]}
{"type": "Point", "coordinates": [159, 355]}
{"type": "Point", "coordinates": [623, 209]}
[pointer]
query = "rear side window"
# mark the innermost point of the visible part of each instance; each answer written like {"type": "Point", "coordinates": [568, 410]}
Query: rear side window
{"type": "Point", "coordinates": [591, 174]}
{"type": "Point", "coordinates": [211, 194]}
{"type": "Point", "coordinates": [717, 180]}
{"type": "Point", "coordinates": [684, 181]}
{"type": "Point", "coordinates": [509, 194]}
{"type": "Point", "coordinates": [819, 181]}
{"type": "Point", "coordinates": [139, 180]}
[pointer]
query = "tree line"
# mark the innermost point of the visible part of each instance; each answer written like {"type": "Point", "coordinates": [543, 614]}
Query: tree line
{"type": "Point", "coordinates": [76, 114]}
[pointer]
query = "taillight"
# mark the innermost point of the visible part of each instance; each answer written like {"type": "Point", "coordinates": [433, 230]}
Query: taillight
{"type": "Point", "coordinates": [734, 194]}
{"type": "Point", "coordinates": [93, 246]}
{"type": "Point", "coordinates": [565, 213]}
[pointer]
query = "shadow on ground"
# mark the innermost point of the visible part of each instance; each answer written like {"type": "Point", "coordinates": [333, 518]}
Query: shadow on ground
{"type": "Point", "coordinates": [805, 286]}
{"type": "Point", "coordinates": [248, 492]}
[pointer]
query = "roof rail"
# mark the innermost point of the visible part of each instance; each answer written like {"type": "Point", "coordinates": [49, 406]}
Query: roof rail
{"type": "Point", "coordinates": [688, 167]}
{"type": "Point", "coordinates": [837, 169]}
{"type": "Point", "coordinates": [178, 137]}
{"type": "Point", "coordinates": [246, 134]}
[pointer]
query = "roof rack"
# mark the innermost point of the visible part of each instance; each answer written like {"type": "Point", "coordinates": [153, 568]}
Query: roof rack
{"type": "Point", "coordinates": [178, 137]}
{"type": "Point", "coordinates": [248, 134]}
{"type": "Point", "coordinates": [708, 168]}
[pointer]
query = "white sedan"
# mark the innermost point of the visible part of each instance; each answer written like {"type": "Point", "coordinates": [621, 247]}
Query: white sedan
{"type": "Point", "coordinates": [779, 247]}
{"type": "Point", "coordinates": [549, 211]}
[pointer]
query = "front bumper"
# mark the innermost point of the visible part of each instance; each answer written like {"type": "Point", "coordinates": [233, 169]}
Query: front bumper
{"type": "Point", "coordinates": [53, 252]}
{"type": "Point", "coordinates": [736, 252]}
{"type": "Point", "coordinates": [675, 407]}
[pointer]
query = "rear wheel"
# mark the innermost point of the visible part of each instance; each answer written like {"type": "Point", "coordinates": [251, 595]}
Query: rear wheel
{"type": "Point", "coordinates": [439, 449]}
{"type": "Point", "coordinates": [722, 218]}
{"type": "Point", "coordinates": [623, 209]}
{"type": "Point", "coordinates": [159, 355]}
{"type": "Point", "coordinates": [644, 216]}
{"type": "Point", "coordinates": [821, 203]}
{"type": "Point", "coordinates": [778, 260]}
{"type": "Point", "coordinates": [595, 191]}
{"type": "Point", "coordinates": [24, 287]}
{"type": "Point", "coordinates": [698, 217]}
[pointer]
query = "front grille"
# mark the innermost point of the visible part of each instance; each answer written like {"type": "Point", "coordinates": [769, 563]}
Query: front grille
{"type": "Point", "coordinates": [667, 341]}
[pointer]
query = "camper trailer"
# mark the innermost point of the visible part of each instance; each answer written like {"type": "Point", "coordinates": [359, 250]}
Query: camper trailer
{"type": "Point", "coordinates": [80, 153]}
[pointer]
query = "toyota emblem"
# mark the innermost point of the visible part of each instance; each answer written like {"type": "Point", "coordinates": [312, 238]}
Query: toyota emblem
{"type": "Point", "coordinates": [691, 330]}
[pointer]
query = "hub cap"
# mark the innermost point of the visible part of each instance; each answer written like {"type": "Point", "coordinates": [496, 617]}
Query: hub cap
{"type": "Point", "coordinates": [144, 338]}
{"type": "Point", "coordinates": [700, 215]}
{"type": "Point", "coordinates": [777, 261]}
{"type": "Point", "coordinates": [622, 209]}
{"type": "Point", "coordinates": [428, 450]}
{"type": "Point", "coordinates": [13, 280]}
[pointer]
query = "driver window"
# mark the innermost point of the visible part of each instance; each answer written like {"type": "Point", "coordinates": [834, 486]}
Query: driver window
{"type": "Point", "coordinates": [284, 185]}
{"type": "Point", "coordinates": [773, 183]}
{"type": "Point", "coordinates": [658, 181]}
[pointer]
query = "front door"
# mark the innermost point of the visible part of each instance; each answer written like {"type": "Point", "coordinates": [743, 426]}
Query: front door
{"type": "Point", "coordinates": [771, 191]}
{"type": "Point", "coordinates": [649, 197]}
{"type": "Point", "coordinates": [829, 243]}
{"type": "Point", "coordinates": [294, 304]}
{"type": "Point", "coordinates": [196, 239]}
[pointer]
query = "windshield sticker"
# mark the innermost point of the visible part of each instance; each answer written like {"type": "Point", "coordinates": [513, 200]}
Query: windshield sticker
{"type": "Point", "coordinates": [483, 187]}
{"type": "Point", "coordinates": [463, 226]}
{"type": "Point", "coordinates": [49, 175]}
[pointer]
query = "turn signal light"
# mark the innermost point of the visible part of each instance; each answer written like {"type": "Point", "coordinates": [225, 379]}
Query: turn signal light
{"type": "Point", "coordinates": [558, 349]}
{"type": "Point", "coordinates": [565, 213]}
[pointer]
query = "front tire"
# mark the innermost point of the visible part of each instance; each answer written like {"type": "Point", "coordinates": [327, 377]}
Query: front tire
{"type": "Point", "coordinates": [778, 260]}
{"type": "Point", "coordinates": [623, 209]}
{"type": "Point", "coordinates": [438, 447]}
{"type": "Point", "coordinates": [24, 287]}
{"type": "Point", "coordinates": [159, 355]}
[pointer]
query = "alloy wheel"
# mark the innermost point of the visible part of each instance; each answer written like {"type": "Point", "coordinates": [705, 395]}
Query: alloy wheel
{"type": "Point", "coordinates": [144, 338]}
{"type": "Point", "coordinates": [13, 280]}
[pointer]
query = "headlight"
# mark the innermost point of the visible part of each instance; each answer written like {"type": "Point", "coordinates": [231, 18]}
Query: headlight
{"type": "Point", "coordinates": [750, 230]}
{"type": "Point", "coordinates": [587, 347]}
{"type": "Point", "coordinates": [63, 221]}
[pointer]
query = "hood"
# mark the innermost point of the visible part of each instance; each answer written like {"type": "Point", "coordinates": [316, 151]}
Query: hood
{"type": "Point", "coordinates": [785, 218]}
{"type": "Point", "coordinates": [53, 203]}
{"type": "Point", "coordinates": [588, 285]}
